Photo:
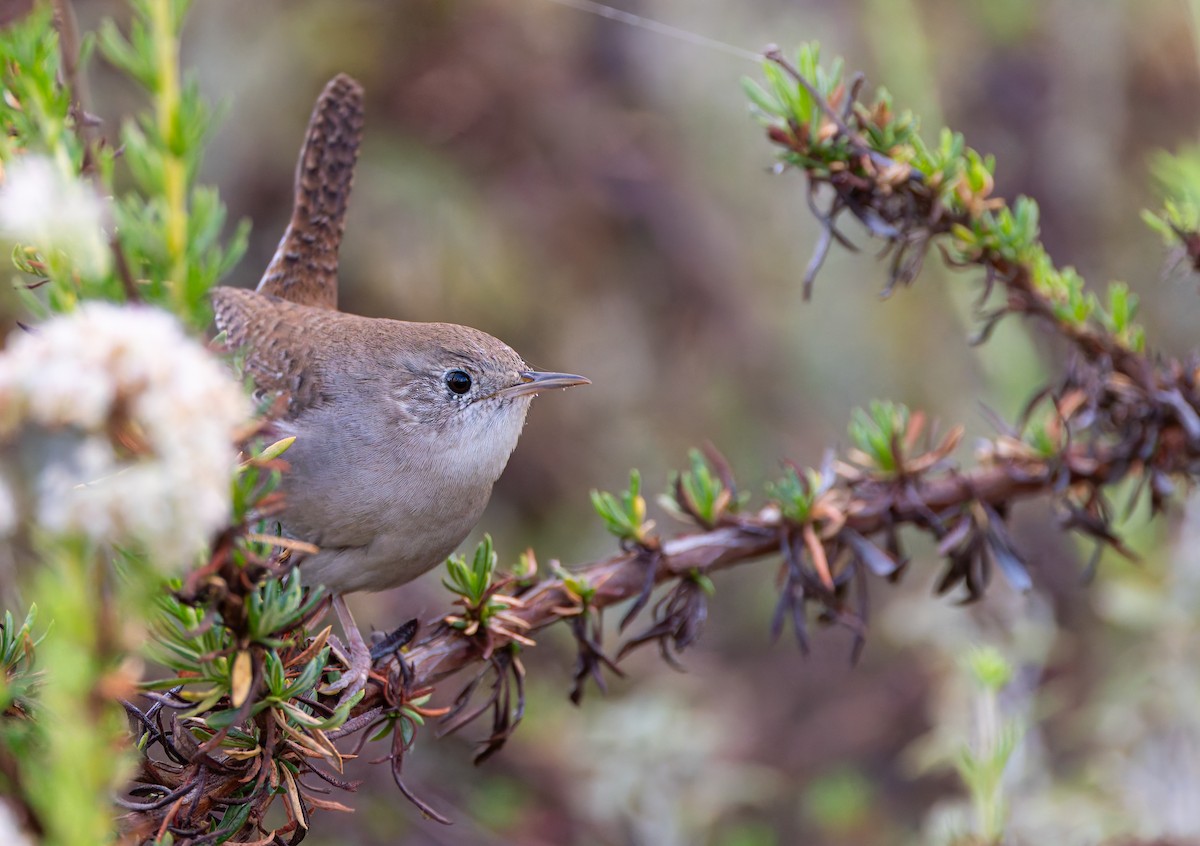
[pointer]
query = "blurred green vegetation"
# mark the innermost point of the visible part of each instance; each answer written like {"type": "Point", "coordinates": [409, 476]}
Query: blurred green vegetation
{"type": "Point", "coordinates": [596, 195]}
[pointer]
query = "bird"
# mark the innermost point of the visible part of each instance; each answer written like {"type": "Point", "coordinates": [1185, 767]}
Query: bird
{"type": "Point", "coordinates": [401, 428]}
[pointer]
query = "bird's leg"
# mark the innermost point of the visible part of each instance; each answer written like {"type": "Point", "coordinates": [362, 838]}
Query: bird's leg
{"type": "Point", "coordinates": [358, 661]}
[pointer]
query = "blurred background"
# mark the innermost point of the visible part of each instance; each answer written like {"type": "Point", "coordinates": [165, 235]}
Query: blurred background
{"type": "Point", "coordinates": [596, 195]}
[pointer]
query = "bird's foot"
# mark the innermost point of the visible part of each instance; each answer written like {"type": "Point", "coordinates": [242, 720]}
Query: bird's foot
{"type": "Point", "coordinates": [358, 669]}
{"type": "Point", "coordinates": [355, 655]}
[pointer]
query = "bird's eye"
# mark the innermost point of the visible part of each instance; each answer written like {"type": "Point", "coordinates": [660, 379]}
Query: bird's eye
{"type": "Point", "coordinates": [458, 381]}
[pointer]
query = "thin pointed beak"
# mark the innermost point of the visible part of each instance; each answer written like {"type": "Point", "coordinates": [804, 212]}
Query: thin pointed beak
{"type": "Point", "coordinates": [535, 381]}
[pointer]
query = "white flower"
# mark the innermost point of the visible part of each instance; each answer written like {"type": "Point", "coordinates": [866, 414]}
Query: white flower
{"type": "Point", "coordinates": [42, 207]}
{"type": "Point", "coordinates": [10, 830]}
{"type": "Point", "coordinates": [123, 428]}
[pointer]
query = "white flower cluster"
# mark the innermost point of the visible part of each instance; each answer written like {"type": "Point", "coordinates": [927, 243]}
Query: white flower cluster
{"type": "Point", "coordinates": [42, 207]}
{"type": "Point", "coordinates": [123, 430]}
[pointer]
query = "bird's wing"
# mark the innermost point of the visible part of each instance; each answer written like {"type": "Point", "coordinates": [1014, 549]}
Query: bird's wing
{"type": "Point", "coordinates": [304, 268]}
{"type": "Point", "coordinates": [278, 342]}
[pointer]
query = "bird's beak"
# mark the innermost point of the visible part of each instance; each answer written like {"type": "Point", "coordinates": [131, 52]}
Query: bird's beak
{"type": "Point", "coordinates": [535, 381]}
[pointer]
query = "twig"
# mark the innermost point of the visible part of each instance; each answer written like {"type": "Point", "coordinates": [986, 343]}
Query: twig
{"type": "Point", "coordinates": [81, 118]}
{"type": "Point", "coordinates": [68, 43]}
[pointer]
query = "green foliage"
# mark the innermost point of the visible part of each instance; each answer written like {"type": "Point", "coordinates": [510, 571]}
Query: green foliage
{"type": "Point", "coordinates": [955, 182]}
{"type": "Point", "coordinates": [701, 493]}
{"type": "Point", "coordinates": [186, 641]}
{"type": "Point", "coordinates": [170, 226]}
{"type": "Point", "coordinates": [214, 668]}
{"type": "Point", "coordinates": [17, 645]}
{"type": "Point", "coordinates": [989, 668]}
{"type": "Point", "coordinates": [38, 109]}
{"type": "Point", "coordinates": [791, 110]}
{"type": "Point", "coordinates": [878, 433]}
{"type": "Point", "coordinates": [1177, 176]}
{"type": "Point", "coordinates": [208, 655]}
{"type": "Point", "coordinates": [21, 736]}
{"type": "Point", "coordinates": [254, 480]}
{"type": "Point", "coordinates": [703, 489]}
{"type": "Point", "coordinates": [38, 120]}
{"type": "Point", "coordinates": [899, 133]}
{"type": "Point", "coordinates": [525, 571]}
{"type": "Point", "coordinates": [796, 494]}
{"type": "Point", "coordinates": [77, 754]}
{"type": "Point", "coordinates": [485, 609]}
{"type": "Point", "coordinates": [168, 230]}
{"type": "Point", "coordinates": [1045, 436]}
{"type": "Point", "coordinates": [472, 581]}
{"type": "Point", "coordinates": [200, 648]}
{"type": "Point", "coordinates": [1008, 232]}
{"type": "Point", "coordinates": [576, 585]}
{"type": "Point", "coordinates": [704, 581]}
{"type": "Point", "coordinates": [783, 99]}
{"type": "Point", "coordinates": [625, 516]}
{"type": "Point", "coordinates": [159, 242]}
{"type": "Point", "coordinates": [1118, 318]}
{"type": "Point", "coordinates": [981, 765]}
{"type": "Point", "coordinates": [277, 606]}
{"type": "Point", "coordinates": [839, 800]}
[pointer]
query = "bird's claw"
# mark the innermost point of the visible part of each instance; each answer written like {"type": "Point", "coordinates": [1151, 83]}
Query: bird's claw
{"type": "Point", "coordinates": [358, 668]}
{"type": "Point", "coordinates": [355, 655]}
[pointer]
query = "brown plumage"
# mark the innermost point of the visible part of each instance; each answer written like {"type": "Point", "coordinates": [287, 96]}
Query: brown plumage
{"type": "Point", "coordinates": [401, 428]}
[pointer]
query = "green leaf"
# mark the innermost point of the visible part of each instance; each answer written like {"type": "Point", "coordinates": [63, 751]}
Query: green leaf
{"type": "Point", "coordinates": [763, 101]}
{"type": "Point", "coordinates": [796, 495]}
{"type": "Point", "coordinates": [472, 582]}
{"type": "Point", "coordinates": [624, 516]}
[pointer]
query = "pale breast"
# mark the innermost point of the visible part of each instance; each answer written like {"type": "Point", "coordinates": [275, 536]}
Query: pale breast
{"type": "Point", "coordinates": [386, 506]}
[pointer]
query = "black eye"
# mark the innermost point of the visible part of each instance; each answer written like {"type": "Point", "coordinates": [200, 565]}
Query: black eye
{"type": "Point", "coordinates": [458, 381]}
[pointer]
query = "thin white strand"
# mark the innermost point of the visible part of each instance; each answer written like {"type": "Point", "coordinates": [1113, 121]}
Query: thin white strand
{"type": "Point", "coordinates": [630, 19]}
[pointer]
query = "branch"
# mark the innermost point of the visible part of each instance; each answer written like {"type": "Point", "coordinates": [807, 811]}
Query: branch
{"type": "Point", "coordinates": [879, 507]}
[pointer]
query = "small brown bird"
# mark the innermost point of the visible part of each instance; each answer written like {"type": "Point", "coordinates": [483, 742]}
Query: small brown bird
{"type": "Point", "coordinates": [401, 428]}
